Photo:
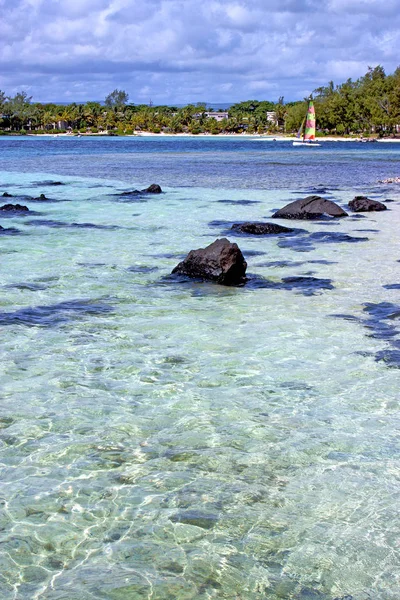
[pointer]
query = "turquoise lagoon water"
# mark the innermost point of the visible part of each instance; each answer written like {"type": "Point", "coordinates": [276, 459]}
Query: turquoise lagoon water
{"type": "Point", "coordinates": [166, 439]}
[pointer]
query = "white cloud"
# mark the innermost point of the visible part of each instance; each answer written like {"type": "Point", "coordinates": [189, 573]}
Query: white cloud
{"type": "Point", "coordinates": [217, 49]}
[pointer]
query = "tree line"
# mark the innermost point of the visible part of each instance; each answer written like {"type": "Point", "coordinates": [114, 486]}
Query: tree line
{"type": "Point", "coordinates": [369, 104]}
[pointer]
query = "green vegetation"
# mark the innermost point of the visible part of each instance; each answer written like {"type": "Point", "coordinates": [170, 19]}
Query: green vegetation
{"type": "Point", "coordinates": [369, 105]}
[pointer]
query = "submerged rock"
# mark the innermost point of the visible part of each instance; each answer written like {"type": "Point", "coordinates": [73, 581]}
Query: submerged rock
{"type": "Point", "coordinates": [311, 207]}
{"type": "Point", "coordinates": [221, 262]}
{"type": "Point", "coordinates": [6, 195]}
{"type": "Point", "coordinates": [154, 188]}
{"type": "Point", "coordinates": [364, 204]}
{"type": "Point", "coordinates": [260, 228]}
{"type": "Point", "coordinates": [41, 197]}
{"type": "Point", "coordinates": [14, 208]}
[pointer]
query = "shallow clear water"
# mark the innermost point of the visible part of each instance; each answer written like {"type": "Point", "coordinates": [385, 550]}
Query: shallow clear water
{"type": "Point", "coordinates": [181, 440]}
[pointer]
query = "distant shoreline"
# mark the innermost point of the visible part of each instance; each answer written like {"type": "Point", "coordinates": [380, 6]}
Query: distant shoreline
{"type": "Point", "coordinates": [261, 137]}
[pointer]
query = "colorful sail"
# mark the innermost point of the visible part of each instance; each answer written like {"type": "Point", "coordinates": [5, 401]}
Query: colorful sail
{"type": "Point", "coordinates": [309, 132]}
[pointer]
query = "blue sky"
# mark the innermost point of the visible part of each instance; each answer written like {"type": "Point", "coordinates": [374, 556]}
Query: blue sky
{"type": "Point", "coordinates": [178, 51]}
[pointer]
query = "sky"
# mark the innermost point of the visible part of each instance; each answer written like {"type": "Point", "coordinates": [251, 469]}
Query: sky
{"type": "Point", "coordinates": [181, 51]}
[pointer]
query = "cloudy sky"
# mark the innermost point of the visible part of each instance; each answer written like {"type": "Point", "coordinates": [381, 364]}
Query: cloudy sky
{"type": "Point", "coordinates": [179, 51]}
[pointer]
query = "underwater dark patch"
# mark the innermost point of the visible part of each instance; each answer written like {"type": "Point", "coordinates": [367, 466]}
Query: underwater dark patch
{"type": "Point", "coordinates": [293, 263]}
{"type": "Point", "coordinates": [329, 237]}
{"type": "Point", "coordinates": [281, 263]}
{"type": "Point", "coordinates": [247, 253]}
{"type": "Point", "coordinates": [382, 310]}
{"type": "Point", "coordinates": [46, 183]}
{"type": "Point", "coordinates": [195, 517]}
{"type": "Point", "coordinates": [220, 223]}
{"type": "Point", "coordinates": [390, 357]}
{"type": "Point", "coordinates": [392, 286]}
{"type": "Point", "coordinates": [375, 321]}
{"type": "Point", "coordinates": [239, 202]}
{"type": "Point", "coordinates": [63, 225]}
{"type": "Point", "coordinates": [297, 244]}
{"type": "Point", "coordinates": [169, 255]}
{"type": "Point", "coordinates": [142, 269]}
{"type": "Point", "coordinates": [54, 314]}
{"type": "Point", "coordinates": [308, 286]}
{"type": "Point", "coordinates": [131, 199]}
{"type": "Point", "coordinates": [44, 198]}
{"type": "Point", "coordinates": [9, 231]}
{"type": "Point", "coordinates": [32, 287]}
{"type": "Point", "coordinates": [91, 265]}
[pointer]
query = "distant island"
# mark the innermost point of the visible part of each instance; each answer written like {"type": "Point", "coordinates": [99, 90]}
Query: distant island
{"type": "Point", "coordinates": [368, 106]}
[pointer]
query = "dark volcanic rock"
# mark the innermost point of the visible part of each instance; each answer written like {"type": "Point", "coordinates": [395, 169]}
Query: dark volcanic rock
{"type": "Point", "coordinates": [14, 208]}
{"type": "Point", "coordinates": [6, 195]}
{"type": "Point", "coordinates": [154, 188]}
{"type": "Point", "coordinates": [364, 204]}
{"type": "Point", "coordinates": [221, 262]}
{"type": "Point", "coordinates": [260, 228]}
{"type": "Point", "coordinates": [41, 197]}
{"type": "Point", "coordinates": [312, 207]}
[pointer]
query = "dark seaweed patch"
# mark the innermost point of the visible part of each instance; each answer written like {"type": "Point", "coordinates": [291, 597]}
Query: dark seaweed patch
{"type": "Point", "coordinates": [9, 231]}
{"type": "Point", "coordinates": [63, 225]}
{"type": "Point", "coordinates": [131, 199]}
{"type": "Point", "coordinates": [195, 517]}
{"type": "Point", "coordinates": [329, 237]}
{"type": "Point", "coordinates": [218, 223]}
{"type": "Point", "coordinates": [308, 286]}
{"type": "Point", "coordinates": [390, 357]}
{"type": "Point", "coordinates": [299, 263]}
{"type": "Point", "coordinates": [298, 244]}
{"type": "Point", "coordinates": [48, 182]}
{"type": "Point", "coordinates": [240, 202]}
{"type": "Point", "coordinates": [169, 255]}
{"type": "Point", "coordinates": [392, 286]}
{"type": "Point", "coordinates": [54, 314]}
{"type": "Point", "coordinates": [382, 310]}
{"type": "Point", "coordinates": [32, 287]}
{"type": "Point", "coordinates": [281, 263]}
{"type": "Point", "coordinates": [248, 253]}
{"type": "Point", "coordinates": [91, 265]}
{"type": "Point", "coordinates": [376, 323]}
{"type": "Point", "coordinates": [142, 269]}
{"type": "Point", "coordinates": [302, 243]}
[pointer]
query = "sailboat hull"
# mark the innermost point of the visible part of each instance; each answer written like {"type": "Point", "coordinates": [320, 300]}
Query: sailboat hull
{"type": "Point", "coordinates": [308, 144]}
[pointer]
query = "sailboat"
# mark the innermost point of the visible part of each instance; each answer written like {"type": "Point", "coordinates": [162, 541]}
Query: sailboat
{"type": "Point", "coordinates": [307, 137]}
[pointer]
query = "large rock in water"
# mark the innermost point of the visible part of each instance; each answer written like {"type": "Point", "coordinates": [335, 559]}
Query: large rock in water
{"type": "Point", "coordinates": [221, 262]}
{"type": "Point", "coordinates": [364, 204]}
{"type": "Point", "coordinates": [312, 207]}
{"type": "Point", "coordinates": [14, 208]}
{"type": "Point", "coordinates": [260, 228]}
